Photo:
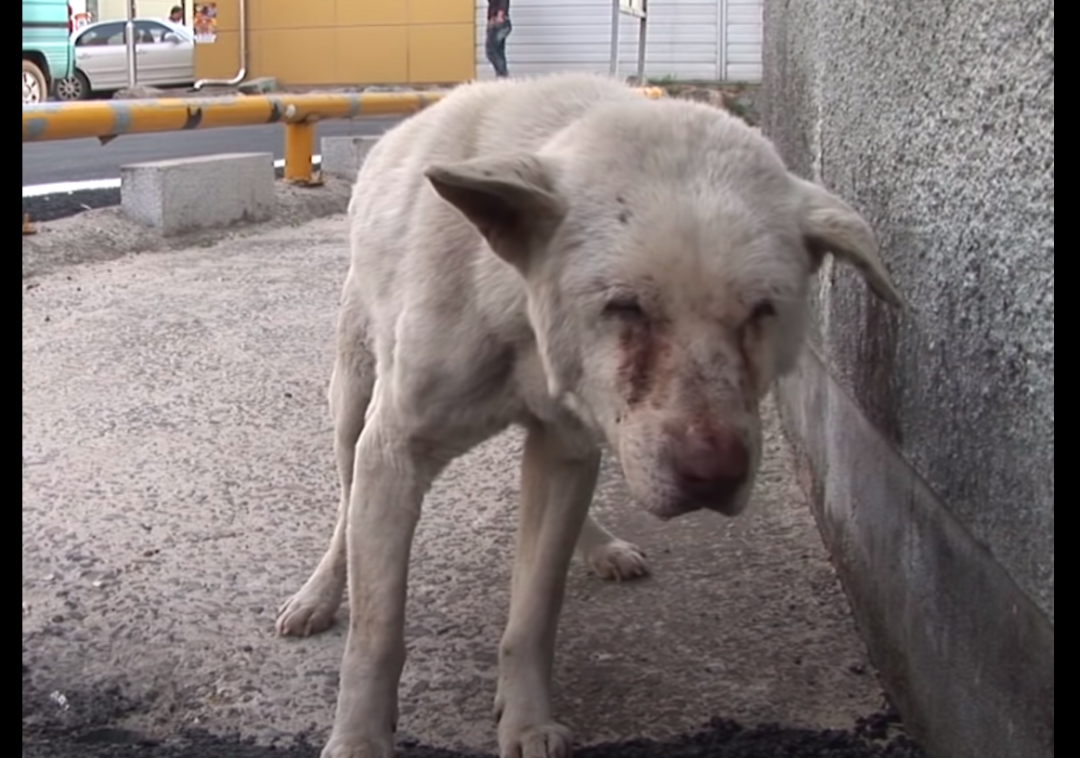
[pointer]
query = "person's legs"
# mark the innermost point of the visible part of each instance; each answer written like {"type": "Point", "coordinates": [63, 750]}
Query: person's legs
{"type": "Point", "coordinates": [496, 47]}
{"type": "Point", "coordinates": [490, 48]}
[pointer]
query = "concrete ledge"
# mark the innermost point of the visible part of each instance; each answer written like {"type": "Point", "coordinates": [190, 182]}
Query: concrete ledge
{"type": "Point", "coordinates": [198, 193]}
{"type": "Point", "coordinates": [343, 156]}
{"type": "Point", "coordinates": [963, 651]}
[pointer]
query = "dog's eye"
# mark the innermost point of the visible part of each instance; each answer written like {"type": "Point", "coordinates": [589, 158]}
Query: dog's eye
{"type": "Point", "coordinates": [762, 310]}
{"type": "Point", "coordinates": [624, 308]}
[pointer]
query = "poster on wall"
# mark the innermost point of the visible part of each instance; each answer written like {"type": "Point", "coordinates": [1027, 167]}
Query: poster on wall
{"type": "Point", "coordinates": [204, 22]}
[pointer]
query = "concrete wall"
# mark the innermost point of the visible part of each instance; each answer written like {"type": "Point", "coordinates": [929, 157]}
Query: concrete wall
{"type": "Point", "coordinates": [346, 42]}
{"type": "Point", "coordinates": [927, 439]}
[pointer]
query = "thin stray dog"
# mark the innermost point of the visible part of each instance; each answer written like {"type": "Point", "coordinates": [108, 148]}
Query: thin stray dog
{"type": "Point", "coordinates": [563, 254]}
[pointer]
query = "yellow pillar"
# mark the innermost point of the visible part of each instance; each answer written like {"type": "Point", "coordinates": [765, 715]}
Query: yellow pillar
{"type": "Point", "coordinates": [299, 147]}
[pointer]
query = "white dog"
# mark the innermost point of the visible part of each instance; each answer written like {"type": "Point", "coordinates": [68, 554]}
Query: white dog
{"type": "Point", "coordinates": [563, 254]}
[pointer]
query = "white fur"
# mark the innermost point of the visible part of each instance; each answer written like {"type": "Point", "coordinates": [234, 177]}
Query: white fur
{"type": "Point", "coordinates": [563, 254]}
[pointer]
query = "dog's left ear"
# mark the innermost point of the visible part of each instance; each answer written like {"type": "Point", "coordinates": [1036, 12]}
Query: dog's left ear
{"type": "Point", "coordinates": [832, 226]}
{"type": "Point", "coordinates": [510, 199]}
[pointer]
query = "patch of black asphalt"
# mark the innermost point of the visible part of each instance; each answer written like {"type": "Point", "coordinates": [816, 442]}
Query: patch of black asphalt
{"type": "Point", "coordinates": [54, 729]}
{"type": "Point", "coordinates": [64, 204]}
{"type": "Point", "coordinates": [718, 739]}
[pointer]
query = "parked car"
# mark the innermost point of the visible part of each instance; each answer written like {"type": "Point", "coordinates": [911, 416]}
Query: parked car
{"type": "Point", "coordinates": [47, 50]}
{"type": "Point", "coordinates": [164, 57]}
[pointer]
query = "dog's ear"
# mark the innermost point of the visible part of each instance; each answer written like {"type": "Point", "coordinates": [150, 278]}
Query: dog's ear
{"type": "Point", "coordinates": [510, 199]}
{"type": "Point", "coordinates": [832, 226]}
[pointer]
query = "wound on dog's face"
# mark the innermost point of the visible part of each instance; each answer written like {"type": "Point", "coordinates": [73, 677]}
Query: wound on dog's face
{"type": "Point", "coordinates": [638, 358]}
{"type": "Point", "coordinates": [678, 344]}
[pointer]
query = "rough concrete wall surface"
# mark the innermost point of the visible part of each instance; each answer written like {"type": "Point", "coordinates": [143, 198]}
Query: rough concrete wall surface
{"type": "Point", "coordinates": [928, 437]}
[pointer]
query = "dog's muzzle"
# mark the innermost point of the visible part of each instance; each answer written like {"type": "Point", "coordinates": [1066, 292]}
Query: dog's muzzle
{"type": "Point", "coordinates": [709, 466]}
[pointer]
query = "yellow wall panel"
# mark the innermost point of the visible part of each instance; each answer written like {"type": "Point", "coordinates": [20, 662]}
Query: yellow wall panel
{"type": "Point", "coordinates": [297, 56]}
{"type": "Point", "coordinates": [371, 12]}
{"type": "Point", "coordinates": [219, 59]}
{"type": "Point", "coordinates": [345, 42]}
{"type": "Point", "coordinates": [255, 47]}
{"type": "Point", "coordinates": [292, 14]}
{"type": "Point", "coordinates": [372, 55]}
{"type": "Point", "coordinates": [109, 10]}
{"type": "Point", "coordinates": [441, 53]}
{"type": "Point", "coordinates": [441, 11]}
{"type": "Point", "coordinates": [254, 14]}
{"type": "Point", "coordinates": [228, 15]}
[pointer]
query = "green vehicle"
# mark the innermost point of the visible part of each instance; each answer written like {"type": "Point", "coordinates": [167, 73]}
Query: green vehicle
{"type": "Point", "coordinates": [47, 51]}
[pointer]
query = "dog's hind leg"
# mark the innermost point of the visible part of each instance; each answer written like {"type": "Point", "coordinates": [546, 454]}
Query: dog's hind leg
{"type": "Point", "coordinates": [608, 556]}
{"type": "Point", "coordinates": [312, 609]}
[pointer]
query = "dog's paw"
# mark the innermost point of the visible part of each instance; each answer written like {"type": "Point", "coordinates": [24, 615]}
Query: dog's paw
{"type": "Point", "coordinates": [544, 741]}
{"type": "Point", "coordinates": [358, 747]}
{"type": "Point", "coordinates": [306, 613]}
{"type": "Point", "coordinates": [617, 560]}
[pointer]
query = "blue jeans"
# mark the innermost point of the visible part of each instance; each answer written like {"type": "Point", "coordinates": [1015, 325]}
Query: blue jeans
{"type": "Point", "coordinates": [496, 46]}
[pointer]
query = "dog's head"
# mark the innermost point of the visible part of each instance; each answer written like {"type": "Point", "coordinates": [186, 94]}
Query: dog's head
{"type": "Point", "coordinates": [666, 252]}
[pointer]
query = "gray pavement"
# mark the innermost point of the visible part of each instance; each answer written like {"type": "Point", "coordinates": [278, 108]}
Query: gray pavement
{"type": "Point", "coordinates": [76, 160]}
{"type": "Point", "coordinates": [178, 484]}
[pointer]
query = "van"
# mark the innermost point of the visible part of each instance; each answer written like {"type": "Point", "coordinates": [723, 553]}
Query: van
{"type": "Point", "coordinates": [47, 51]}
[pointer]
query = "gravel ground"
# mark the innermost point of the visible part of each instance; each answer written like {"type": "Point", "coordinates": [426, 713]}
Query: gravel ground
{"type": "Point", "coordinates": [176, 484]}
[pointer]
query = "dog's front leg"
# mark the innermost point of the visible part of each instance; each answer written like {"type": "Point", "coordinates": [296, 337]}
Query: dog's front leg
{"type": "Point", "coordinates": [558, 479]}
{"type": "Point", "coordinates": [391, 478]}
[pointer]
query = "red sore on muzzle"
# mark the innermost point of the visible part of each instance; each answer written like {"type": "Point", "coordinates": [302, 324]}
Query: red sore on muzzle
{"type": "Point", "coordinates": [709, 464]}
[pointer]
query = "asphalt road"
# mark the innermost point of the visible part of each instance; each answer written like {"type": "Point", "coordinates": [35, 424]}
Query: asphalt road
{"type": "Point", "coordinates": [75, 160]}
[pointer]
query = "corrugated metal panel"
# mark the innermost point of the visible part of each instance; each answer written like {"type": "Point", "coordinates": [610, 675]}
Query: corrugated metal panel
{"type": "Point", "coordinates": [559, 35]}
{"type": "Point", "coordinates": [684, 38]}
{"type": "Point", "coordinates": [742, 38]}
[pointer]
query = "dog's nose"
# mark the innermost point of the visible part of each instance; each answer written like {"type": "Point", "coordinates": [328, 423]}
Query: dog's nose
{"type": "Point", "coordinates": [710, 464]}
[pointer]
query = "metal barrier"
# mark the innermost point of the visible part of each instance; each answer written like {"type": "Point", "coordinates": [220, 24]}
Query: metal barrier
{"type": "Point", "coordinates": [108, 119]}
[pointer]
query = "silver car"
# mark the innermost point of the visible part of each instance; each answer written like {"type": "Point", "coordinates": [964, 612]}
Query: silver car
{"type": "Point", "coordinates": [164, 57]}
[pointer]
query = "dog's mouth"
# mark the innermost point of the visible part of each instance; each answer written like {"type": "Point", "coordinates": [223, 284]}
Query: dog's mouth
{"type": "Point", "coordinates": [727, 501]}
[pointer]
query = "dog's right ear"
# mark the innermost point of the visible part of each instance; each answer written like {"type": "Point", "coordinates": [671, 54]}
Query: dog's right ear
{"type": "Point", "coordinates": [510, 199]}
{"type": "Point", "coordinates": [831, 225]}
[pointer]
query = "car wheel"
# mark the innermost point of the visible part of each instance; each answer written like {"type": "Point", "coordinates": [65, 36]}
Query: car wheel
{"type": "Point", "coordinates": [74, 87]}
{"type": "Point", "coordinates": [35, 87]}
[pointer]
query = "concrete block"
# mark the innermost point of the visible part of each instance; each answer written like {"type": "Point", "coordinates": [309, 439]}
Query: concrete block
{"type": "Point", "coordinates": [139, 92]}
{"type": "Point", "coordinates": [343, 156]}
{"type": "Point", "coordinates": [197, 193]}
{"type": "Point", "coordinates": [260, 85]}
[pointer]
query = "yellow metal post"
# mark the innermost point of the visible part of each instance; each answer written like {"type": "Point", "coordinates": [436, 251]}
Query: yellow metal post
{"type": "Point", "coordinates": [299, 147]}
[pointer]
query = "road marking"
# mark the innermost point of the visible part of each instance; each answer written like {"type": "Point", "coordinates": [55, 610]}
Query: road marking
{"type": "Point", "coordinates": [61, 188]}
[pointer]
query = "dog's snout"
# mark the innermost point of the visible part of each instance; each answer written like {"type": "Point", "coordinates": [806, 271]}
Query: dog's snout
{"type": "Point", "coordinates": [710, 464]}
